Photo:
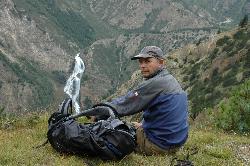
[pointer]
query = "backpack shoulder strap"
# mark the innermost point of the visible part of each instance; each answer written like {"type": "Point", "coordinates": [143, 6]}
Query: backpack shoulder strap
{"type": "Point", "coordinates": [66, 106]}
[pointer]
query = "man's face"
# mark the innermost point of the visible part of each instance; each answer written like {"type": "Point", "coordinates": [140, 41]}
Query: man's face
{"type": "Point", "coordinates": [149, 66]}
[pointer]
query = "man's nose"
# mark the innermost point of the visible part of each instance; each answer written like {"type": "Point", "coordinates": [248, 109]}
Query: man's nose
{"type": "Point", "coordinates": [142, 64]}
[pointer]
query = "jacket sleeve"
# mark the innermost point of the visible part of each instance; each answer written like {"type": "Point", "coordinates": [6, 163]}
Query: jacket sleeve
{"type": "Point", "coordinates": [138, 99]}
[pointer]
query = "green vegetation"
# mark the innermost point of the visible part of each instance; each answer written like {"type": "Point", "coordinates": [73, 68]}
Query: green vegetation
{"type": "Point", "coordinates": [244, 21]}
{"type": "Point", "coordinates": [117, 69]}
{"type": "Point", "coordinates": [69, 24]}
{"type": "Point", "coordinates": [229, 79]}
{"type": "Point", "coordinates": [150, 19]}
{"type": "Point", "coordinates": [43, 88]}
{"type": "Point", "coordinates": [214, 147]}
{"type": "Point", "coordinates": [210, 91]}
{"type": "Point", "coordinates": [242, 35]}
{"type": "Point", "coordinates": [214, 53]}
{"type": "Point", "coordinates": [231, 46]}
{"type": "Point", "coordinates": [222, 41]}
{"type": "Point", "coordinates": [234, 112]}
{"type": "Point", "coordinates": [101, 28]}
{"type": "Point", "coordinates": [30, 73]}
{"type": "Point", "coordinates": [1, 84]}
{"type": "Point", "coordinates": [59, 76]}
{"type": "Point", "coordinates": [73, 26]}
{"type": "Point", "coordinates": [203, 96]}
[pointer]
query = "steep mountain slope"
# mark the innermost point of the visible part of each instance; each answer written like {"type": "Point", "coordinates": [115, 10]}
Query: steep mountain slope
{"type": "Point", "coordinates": [147, 15]}
{"type": "Point", "coordinates": [39, 39]}
{"type": "Point", "coordinates": [223, 64]}
{"type": "Point", "coordinates": [226, 13]}
{"type": "Point", "coordinates": [26, 54]}
{"type": "Point", "coordinates": [208, 70]}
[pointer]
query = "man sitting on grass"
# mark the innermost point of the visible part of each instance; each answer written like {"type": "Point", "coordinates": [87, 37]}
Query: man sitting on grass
{"type": "Point", "coordinates": [164, 127]}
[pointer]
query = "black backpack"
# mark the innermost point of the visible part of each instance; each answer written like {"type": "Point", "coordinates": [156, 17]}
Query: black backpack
{"type": "Point", "coordinates": [110, 139]}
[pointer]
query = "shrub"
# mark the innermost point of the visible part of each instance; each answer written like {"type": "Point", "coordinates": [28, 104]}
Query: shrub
{"type": "Point", "coordinates": [216, 77]}
{"type": "Point", "coordinates": [246, 74]}
{"type": "Point", "coordinates": [244, 21]}
{"type": "Point", "coordinates": [229, 81]}
{"type": "Point", "coordinates": [214, 53]}
{"type": "Point", "coordinates": [234, 112]}
{"type": "Point", "coordinates": [241, 35]}
{"type": "Point", "coordinates": [228, 47]}
{"type": "Point", "coordinates": [1, 84]}
{"type": "Point", "coordinates": [222, 41]}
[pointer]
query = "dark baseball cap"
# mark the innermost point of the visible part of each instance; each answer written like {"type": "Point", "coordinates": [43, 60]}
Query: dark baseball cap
{"type": "Point", "coordinates": [149, 52]}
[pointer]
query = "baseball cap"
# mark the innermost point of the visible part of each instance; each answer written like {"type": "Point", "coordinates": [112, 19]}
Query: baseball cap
{"type": "Point", "coordinates": [149, 52]}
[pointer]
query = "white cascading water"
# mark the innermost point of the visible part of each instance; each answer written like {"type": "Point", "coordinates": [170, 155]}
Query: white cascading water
{"type": "Point", "coordinates": [72, 87]}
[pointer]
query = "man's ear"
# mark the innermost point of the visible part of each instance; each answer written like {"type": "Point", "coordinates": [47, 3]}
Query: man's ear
{"type": "Point", "coordinates": [161, 61]}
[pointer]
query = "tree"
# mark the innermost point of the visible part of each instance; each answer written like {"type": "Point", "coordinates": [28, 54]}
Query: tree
{"type": "Point", "coordinates": [244, 21]}
{"type": "Point", "coordinates": [219, 31]}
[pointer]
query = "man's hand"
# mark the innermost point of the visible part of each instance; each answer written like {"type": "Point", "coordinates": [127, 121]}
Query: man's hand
{"type": "Point", "coordinates": [102, 113]}
{"type": "Point", "coordinates": [136, 124]}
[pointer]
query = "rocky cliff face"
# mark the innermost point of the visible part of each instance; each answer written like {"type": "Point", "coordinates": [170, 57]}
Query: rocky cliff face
{"type": "Point", "coordinates": [22, 44]}
{"type": "Point", "coordinates": [21, 37]}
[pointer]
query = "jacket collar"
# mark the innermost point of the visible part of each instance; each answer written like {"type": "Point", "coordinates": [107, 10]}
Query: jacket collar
{"type": "Point", "coordinates": [161, 71]}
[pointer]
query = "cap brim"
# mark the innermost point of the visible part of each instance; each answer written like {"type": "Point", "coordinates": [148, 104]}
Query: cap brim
{"type": "Point", "coordinates": [142, 56]}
